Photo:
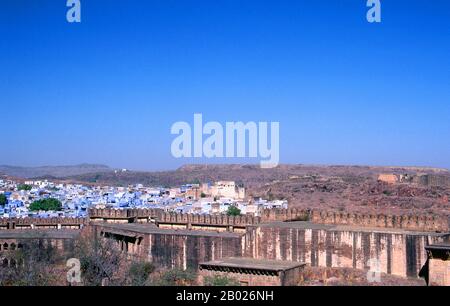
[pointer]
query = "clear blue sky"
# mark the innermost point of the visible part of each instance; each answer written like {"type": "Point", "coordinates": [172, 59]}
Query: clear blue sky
{"type": "Point", "coordinates": [108, 90]}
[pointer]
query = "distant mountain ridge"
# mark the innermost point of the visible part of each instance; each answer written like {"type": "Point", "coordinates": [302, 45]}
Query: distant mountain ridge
{"type": "Point", "coordinates": [53, 171]}
{"type": "Point", "coordinates": [250, 175]}
{"type": "Point", "coordinates": [244, 173]}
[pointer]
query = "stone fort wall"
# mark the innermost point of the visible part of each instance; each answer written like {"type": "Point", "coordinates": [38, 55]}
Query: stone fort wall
{"type": "Point", "coordinates": [391, 240]}
{"type": "Point", "coordinates": [406, 222]}
{"type": "Point", "coordinates": [398, 253]}
{"type": "Point", "coordinates": [8, 247]}
{"type": "Point", "coordinates": [42, 223]}
{"type": "Point", "coordinates": [160, 216]}
{"type": "Point", "coordinates": [432, 180]}
{"type": "Point", "coordinates": [173, 249]}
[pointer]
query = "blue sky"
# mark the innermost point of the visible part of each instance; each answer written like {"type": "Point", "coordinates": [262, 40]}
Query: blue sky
{"type": "Point", "coordinates": [107, 90]}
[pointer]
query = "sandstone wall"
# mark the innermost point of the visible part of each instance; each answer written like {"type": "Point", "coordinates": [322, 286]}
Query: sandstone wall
{"type": "Point", "coordinates": [407, 222]}
{"type": "Point", "coordinates": [171, 217]}
{"type": "Point", "coordinates": [185, 251]}
{"type": "Point", "coordinates": [42, 223]}
{"type": "Point", "coordinates": [398, 254]}
{"type": "Point", "coordinates": [9, 247]}
{"type": "Point", "coordinates": [394, 252]}
{"type": "Point", "coordinates": [439, 272]}
{"type": "Point", "coordinates": [174, 248]}
{"type": "Point", "coordinates": [432, 180]}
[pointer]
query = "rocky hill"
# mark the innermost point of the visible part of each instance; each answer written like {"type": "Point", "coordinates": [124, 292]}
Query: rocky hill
{"type": "Point", "coordinates": [250, 175]}
{"type": "Point", "coordinates": [53, 171]}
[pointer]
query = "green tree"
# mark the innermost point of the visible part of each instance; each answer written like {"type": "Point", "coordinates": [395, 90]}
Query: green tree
{"type": "Point", "coordinates": [139, 273]}
{"type": "Point", "coordinates": [24, 187]}
{"type": "Point", "coordinates": [219, 280]}
{"type": "Point", "coordinates": [176, 277]}
{"type": "Point", "coordinates": [203, 195]}
{"type": "Point", "coordinates": [46, 205]}
{"type": "Point", "coordinates": [3, 200]}
{"type": "Point", "coordinates": [387, 192]}
{"type": "Point", "coordinates": [233, 211]}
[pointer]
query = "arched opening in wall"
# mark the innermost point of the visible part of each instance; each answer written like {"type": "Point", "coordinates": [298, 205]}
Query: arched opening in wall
{"type": "Point", "coordinates": [12, 263]}
{"type": "Point", "coordinates": [5, 246]}
{"type": "Point", "coordinates": [13, 246]}
{"type": "Point", "coordinates": [20, 246]}
{"type": "Point", "coordinates": [5, 263]}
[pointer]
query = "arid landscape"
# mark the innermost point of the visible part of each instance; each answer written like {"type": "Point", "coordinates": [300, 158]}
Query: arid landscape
{"type": "Point", "coordinates": [367, 189]}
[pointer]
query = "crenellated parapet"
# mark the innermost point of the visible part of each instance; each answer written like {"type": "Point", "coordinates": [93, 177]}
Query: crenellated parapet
{"type": "Point", "coordinates": [407, 222]}
{"type": "Point", "coordinates": [108, 213]}
{"type": "Point", "coordinates": [31, 223]}
{"type": "Point", "coordinates": [289, 214]}
{"type": "Point", "coordinates": [224, 220]}
{"type": "Point", "coordinates": [161, 216]}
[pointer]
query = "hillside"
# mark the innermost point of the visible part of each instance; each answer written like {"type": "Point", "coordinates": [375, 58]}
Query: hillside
{"type": "Point", "coordinates": [338, 188]}
{"type": "Point", "coordinates": [250, 175]}
{"type": "Point", "coordinates": [52, 171]}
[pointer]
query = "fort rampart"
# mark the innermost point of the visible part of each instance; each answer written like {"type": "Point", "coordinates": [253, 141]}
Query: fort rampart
{"type": "Point", "coordinates": [405, 222]}
{"type": "Point", "coordinates": [42, 223]}
{"type": "Point", "coordinates": [423, 223]}
{"type": "Point", "coordinates": [329, 239]}
{"type": "Point", "coordinates": [396, 252]}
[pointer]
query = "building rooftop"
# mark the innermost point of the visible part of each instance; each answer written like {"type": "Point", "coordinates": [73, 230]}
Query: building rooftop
{"type": "Point", "coordinates": [148, 228]}
{"type": "Point", "coordinates": [439, 251]}
{"type": "Point", "coordinates": [253, 264]}
{"type": "Point", "coordinates": [39, 234]}
{"type": "Point", "coordinates": [351, 228]}
{"type": "Point", "coordinates": [445, 246]}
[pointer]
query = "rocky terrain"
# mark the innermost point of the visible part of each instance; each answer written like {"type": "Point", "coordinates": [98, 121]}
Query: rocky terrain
{"type": "Point", "coordinates": [52, 171]}
{"type": "Point", "coordinates": [350, 193]}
